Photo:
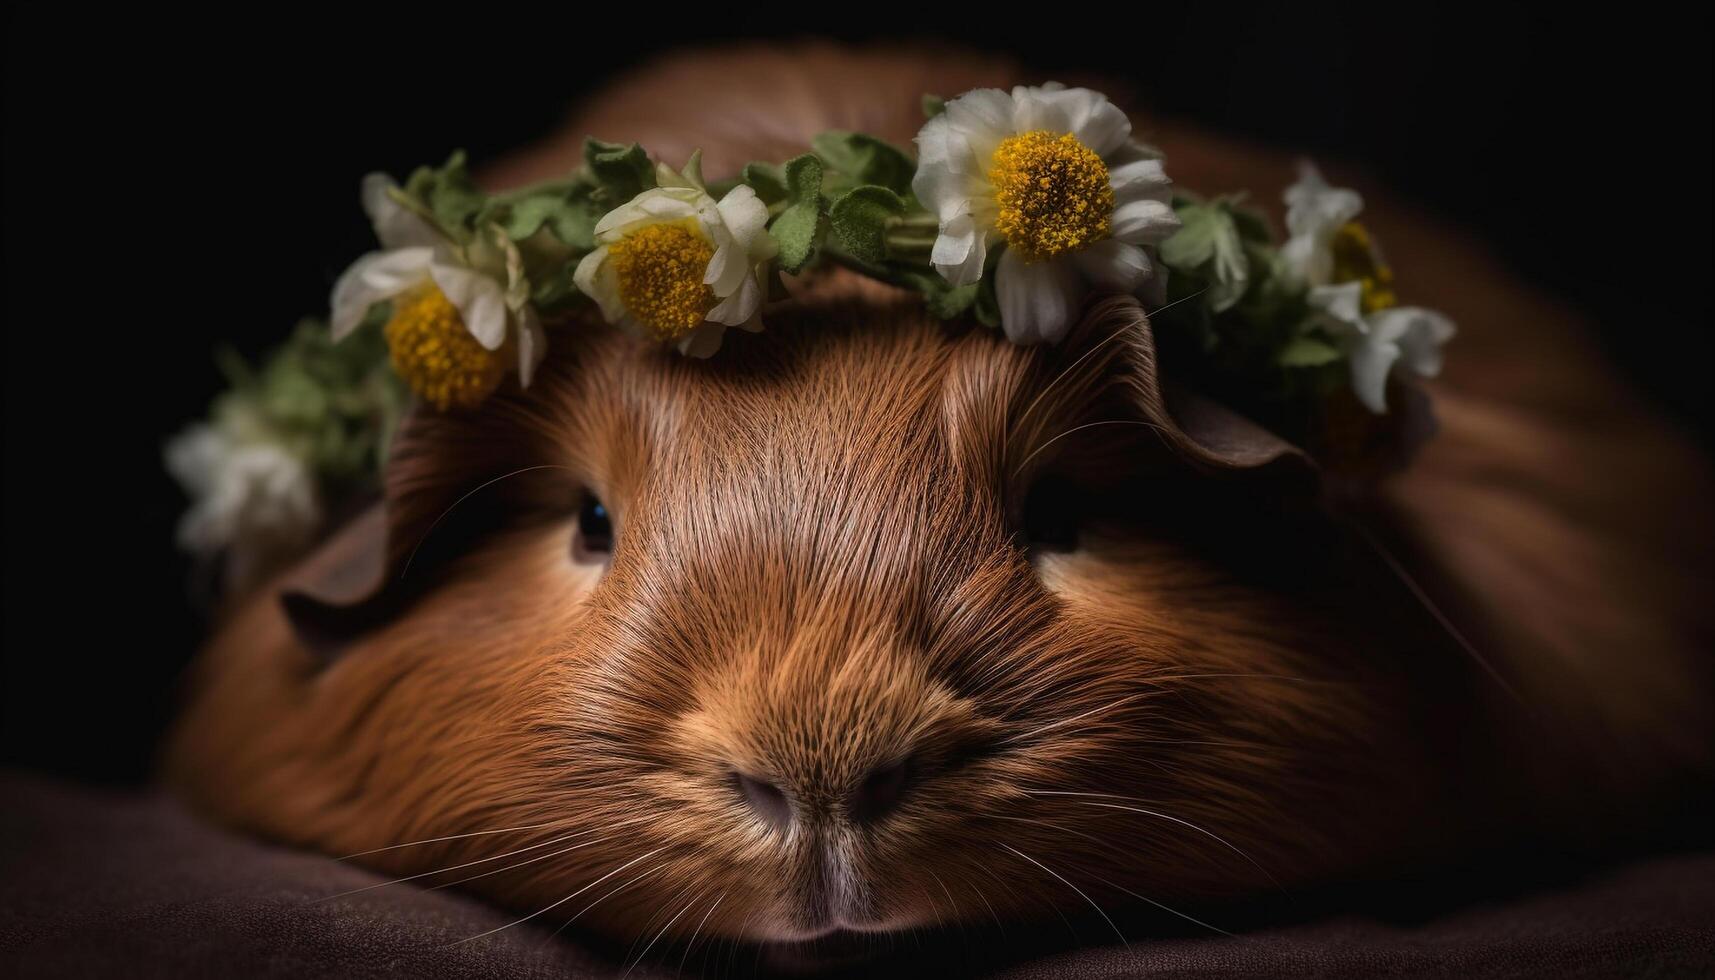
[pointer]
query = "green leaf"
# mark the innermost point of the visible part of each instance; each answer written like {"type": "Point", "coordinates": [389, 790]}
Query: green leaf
{"type": "Point", "coordinates": [621, 171]}
{"type": "Point", "coordinates": [940, 297]}
{"type": "Point", "coordinates": [766, 180]}
{"type": "Point", "coordinates": [803, 178]}
{"type": "Point", "coordinates": [1308, 352]}
{"type": "Point", "coordinates": [562, 209]}
{"type": "Point", "coordinates": [575, 220]}
{"type": "Point", "coordinates": [1208, 241]}
{"type": "Point", "coordinates": [933, 105]}
{"type": "Point", "coordinates": [447, 193]}
{"type": "Point", "coordinates": [799, 228]}
{"type": "Point", "coordinates": [555, 290]}
{"type": "Point", "coordinates": [866, 160]}
{"type": "Point", "coordinates": [1194, 243]}
{"type": "Point", "coordinates": [860, 217]}
{"type": "Point", "coordinates": [1253, 226]}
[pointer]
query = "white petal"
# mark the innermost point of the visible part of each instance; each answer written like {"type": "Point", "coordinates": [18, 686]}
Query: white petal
{"type": "Point", "coordinates": [195, 456]}
{"type": "Point", "coordinates": [396, 226]}
{"type": "Point", "coordinates": [1421, 333]}
{"type": "Point", "coordinates": [1086, 114]}
{"type": "Point", "coordinates": [735, 309]}
{"type": "Point", "coordinates": [650, 207]}
{"type": "Point", "coordinates": [1313, 207]}
{"type": "Point", "coordinates": [1308, 257]}
{"type": "Point", "coordinates": [373, 278]}
{"type": "Point", "coordinates": [1371, 362]}
{"type": "Point", "coordinates": [933, 143]}
{"type": "Point", "coordinates": [744, 214]}
{"type": "Point", "coordinates": [1147, 221]}
{"type": "Point", "coordinates": [1132, 180]}
{"type": "Point", "coordinates": [726, 267]}
{"type": "Point", "coordinates": [1111, 264]}
{"type": "Point", "coordinates": [1343, 304]}
{"type": "Point", "coordinates": [1037, 299]}
{"type": "Point", "coordinates": [978, 120]}
{"type": "Point", "coordinates": [959, 251]}
{"type": "Point", "coordinates": [596, 279]}
{"type": "Point", "coordinates": [947, 175]}
{"type": "Point", "coordinates": [532, 345]}
{"type": "Point", "coordinates": [480, 301]}
{"type": "Point", "coordinates": [703, 341]}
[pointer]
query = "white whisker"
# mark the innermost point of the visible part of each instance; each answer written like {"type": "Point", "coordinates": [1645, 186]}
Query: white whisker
{"type": "Point", "coordinates": [1075, 888]}
{"type": "Point", "coordinates": [437, 840]}
{"type": "Point", "coordinates": [693, 940]}
{"type": "Point", "coordinates": [1067, 721]}
{"type": "Point", "coordinates": [520, 864]}
{"type": "Point", "coordinates": [1164, 908]}
{"type": "Point", "coordinates": [550, 908]}
{"type": "Point", "coordinates": [1163, 816]}
{"type": "Point", "coordinates": [657, 938]}
{"type": "Point", "coordinates": [456, 867]}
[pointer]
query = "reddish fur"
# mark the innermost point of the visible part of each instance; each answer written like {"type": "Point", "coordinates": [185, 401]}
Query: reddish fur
{"type": "Point", "coordinates": [815, 576]}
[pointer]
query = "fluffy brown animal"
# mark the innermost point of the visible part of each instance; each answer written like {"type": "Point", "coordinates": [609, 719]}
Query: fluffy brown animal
{"type": "Point", "coordinates": [836, 676]}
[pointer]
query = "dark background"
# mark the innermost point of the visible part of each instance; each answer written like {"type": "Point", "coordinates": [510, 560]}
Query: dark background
{"type": "Point", "coordinates": [174, 183]}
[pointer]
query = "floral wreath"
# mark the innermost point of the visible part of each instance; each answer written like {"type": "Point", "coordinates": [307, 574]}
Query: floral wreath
{"type": "Point", "coordinates": [1017, 207]}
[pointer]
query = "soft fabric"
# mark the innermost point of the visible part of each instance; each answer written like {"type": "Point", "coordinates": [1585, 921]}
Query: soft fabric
{"type": "Point", "coordinates": [98, 884]}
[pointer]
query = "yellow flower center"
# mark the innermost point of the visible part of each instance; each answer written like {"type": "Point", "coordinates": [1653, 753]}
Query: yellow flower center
{"type": "Point", "coordinates": [436, 355]}
{"type": "Point", "coordinates": [1355, 258]}
{"type": "Point", "coordinates": [660, 270]}
{"type": "Point", "coordinates": [1053, 193]}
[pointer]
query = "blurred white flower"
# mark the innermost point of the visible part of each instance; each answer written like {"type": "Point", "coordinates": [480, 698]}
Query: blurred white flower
{"type": "Point", "coordinates": [252, 501]}
{"type": "Point", "coordinates": [1054, 174]}
{"type": "Point", "coordinates": [1379, 342]}
{"type": "Point", "coordinates": [674, 265]}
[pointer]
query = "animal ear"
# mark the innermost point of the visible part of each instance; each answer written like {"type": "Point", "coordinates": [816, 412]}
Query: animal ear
{"type": "Point", "coordinates": [341, 590]}
{"type": "Point", "coordinates": [1197, 430]}
{"type": "Point", "coordinates": [372, 568]}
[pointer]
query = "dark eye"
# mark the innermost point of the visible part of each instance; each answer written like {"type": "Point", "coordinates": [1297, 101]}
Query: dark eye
{"type": "Point", "coordinates": [594, 540]}
{"type": "Point", "coordinates": [1050, 519]}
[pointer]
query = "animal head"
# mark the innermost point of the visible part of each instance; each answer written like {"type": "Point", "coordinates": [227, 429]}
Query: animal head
{"type": "Point", "coordinates": [865, 624]}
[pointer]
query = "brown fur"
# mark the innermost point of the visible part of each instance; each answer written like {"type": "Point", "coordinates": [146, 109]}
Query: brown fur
{"type": "Point", "coordinates": [816, 574]}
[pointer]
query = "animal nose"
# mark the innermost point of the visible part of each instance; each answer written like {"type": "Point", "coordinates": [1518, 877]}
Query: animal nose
{"type": "Point", "coordinates": [766, 800]}
{"type": "Point", "coordinates": [875, 797]}
{"type": "Point", "coordinates": [880, 792]}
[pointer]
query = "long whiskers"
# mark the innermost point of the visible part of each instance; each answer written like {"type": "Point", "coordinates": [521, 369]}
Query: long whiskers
{"type": "Point", "coordinates": [635, 963]}
{"type": "Point", "coordinates": [550, 908]}
{"type": "Point", "coordinates": [1165, 908]}
{"type": "Point", "coordinates": [437, 840]}
{"type": "Point", "coordinates": [1162, 816]}
{"type": "Point", "coordinates": [1075, 888]}
{"type": "Point", "coordinates": [693, 940]}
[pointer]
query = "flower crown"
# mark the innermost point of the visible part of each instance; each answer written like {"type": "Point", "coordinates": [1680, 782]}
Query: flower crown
{"type": "Point", "coordinates": [1017, 207]}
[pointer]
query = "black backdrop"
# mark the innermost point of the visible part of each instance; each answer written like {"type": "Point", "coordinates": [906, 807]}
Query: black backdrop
{"type": "Point", "coordinates": [171, 181]}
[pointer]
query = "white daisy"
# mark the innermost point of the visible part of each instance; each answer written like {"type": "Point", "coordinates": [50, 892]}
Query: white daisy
{"type": "Point", "coordinates": [446, 295]}
{"type": "Point", "coordinates": [1329, 247]}
{"type": "Point", "coordinates": [1053, 173]}
{"type": "Point", "coordinates": [1379, 342]}
{"type": "Point", "coordinates": [674, 265]}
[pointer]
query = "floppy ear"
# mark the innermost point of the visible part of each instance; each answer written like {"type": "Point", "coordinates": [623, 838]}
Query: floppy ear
{"type": "Point", "coordinates": [1113, 343]}
{"type": "Point", "coordinates": [372, 568]}
{"type": "Point", "coordinates": [339, 590]}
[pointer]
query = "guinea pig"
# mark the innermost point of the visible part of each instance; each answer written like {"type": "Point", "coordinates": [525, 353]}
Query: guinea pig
{"type": "Point", "coordinates": [871, 622]}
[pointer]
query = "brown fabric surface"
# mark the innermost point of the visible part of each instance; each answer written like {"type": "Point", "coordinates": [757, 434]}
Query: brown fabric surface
{"type": "Point", "coordinates": [96, 884]}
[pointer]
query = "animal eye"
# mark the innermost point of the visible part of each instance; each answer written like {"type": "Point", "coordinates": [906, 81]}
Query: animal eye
{"type": "Point", "coordinates": [594, 540]}
{"type": "Point", "coordinates": [1049, 522]}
